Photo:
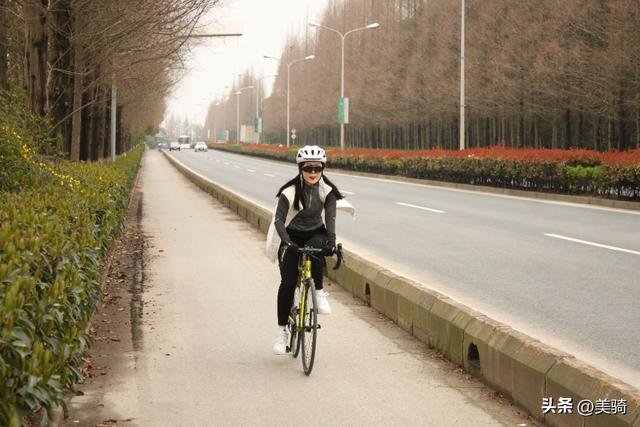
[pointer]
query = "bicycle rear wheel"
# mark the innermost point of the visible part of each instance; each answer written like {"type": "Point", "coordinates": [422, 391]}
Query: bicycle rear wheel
{"type": "Point", "coordinates": [294, 316]}
{"type": "Point", "coordinates": [309, 328]}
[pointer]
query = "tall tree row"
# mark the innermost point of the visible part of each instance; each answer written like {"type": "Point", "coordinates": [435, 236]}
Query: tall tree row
{"type": "Point", "coordinates": [225, 112]}
{"type": "Point", "coordinates": [75, 51]}
{"type": "Point", "coordinates": [538, 74]}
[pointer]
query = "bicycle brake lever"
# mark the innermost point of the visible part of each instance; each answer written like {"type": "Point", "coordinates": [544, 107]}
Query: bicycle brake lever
{"type": "Point", "coordinates": [339, 255]}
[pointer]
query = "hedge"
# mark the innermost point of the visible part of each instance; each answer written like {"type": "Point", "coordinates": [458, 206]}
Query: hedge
{"type": "Point", "coordinates": [556, 171]}
{"type": "Point", "coordinates": [57, 220]}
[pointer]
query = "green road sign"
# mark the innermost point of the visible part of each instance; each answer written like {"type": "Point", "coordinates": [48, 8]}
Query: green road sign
{"type": "Point", "coordinates": [343, 109]}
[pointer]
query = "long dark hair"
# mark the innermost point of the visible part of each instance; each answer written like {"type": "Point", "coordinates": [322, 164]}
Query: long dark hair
{"type": "Point", "coordinates": [298, 182]}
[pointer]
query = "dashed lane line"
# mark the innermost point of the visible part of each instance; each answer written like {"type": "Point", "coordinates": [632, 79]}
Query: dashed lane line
{"type": "Point", "coordinates": [586, 242]}
{"type": "Point", "coordinates": [420, 207]}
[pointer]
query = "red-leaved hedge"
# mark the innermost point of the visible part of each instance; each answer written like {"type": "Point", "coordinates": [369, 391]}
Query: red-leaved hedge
{"type": "Point", "coordinates": [610, 174]}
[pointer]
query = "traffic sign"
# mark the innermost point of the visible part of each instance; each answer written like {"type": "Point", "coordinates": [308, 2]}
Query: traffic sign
{"type": "Point", "coordinates": [293, 136]}
{"type": "Point", "coordinates": [343, 110]}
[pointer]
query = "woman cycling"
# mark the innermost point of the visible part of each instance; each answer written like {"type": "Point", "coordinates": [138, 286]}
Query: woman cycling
{"type": "Point", "coordinates": [305, 216]}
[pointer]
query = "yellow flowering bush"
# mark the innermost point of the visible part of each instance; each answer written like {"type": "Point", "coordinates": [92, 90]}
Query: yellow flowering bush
{"type": "Point", "coordinates": [57, 220]}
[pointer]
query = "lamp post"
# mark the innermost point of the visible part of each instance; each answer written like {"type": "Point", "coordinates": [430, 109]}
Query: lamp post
{"type": "Point", "coordinates": [238, 111]}
{"type": "Point", "coordinates": [289, 93]}
{"type": "Point", "coordinates": [258, 104]}
{"type": "Point", "coordinates": [462, 124]}
{"type": "Point", "coordinates": [343, 37]}
{"type": "Point", "coordinates": [289, 64]}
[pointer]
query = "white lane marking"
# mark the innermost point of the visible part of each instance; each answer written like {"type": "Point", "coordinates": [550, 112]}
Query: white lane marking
{"type": "Point", "coordinates": [269, 175]}
{"type": "Point", "coordinates": [251, 170]}
{"type": "Point", "coordinates": [236, 166]}
{"type": "Point", "coordinates": [585, 242]}
{"type": "Point", "coordinates": [480, 192]}
{"type": "Point", "coordinates": [420, 207]}
{"type": "Point", "coordinates": [347, 192]}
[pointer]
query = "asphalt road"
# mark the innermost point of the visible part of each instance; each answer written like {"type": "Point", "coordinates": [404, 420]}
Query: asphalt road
{"type": "Point", "coordinates": [564, 273]}
{"type": "Point", "coordinates": [203, 354]}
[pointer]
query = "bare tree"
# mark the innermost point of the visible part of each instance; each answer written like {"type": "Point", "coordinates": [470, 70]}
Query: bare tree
{"type": "Point", "coordinates": [35, 54]}
{"type": "Point", "coordinates": [4, 77]}
{"type": "Point", "coordinates": [543, 74]}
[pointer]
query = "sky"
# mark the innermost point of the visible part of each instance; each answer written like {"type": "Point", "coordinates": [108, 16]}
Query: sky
{"type": "Point", "coordinates": [215, 62]}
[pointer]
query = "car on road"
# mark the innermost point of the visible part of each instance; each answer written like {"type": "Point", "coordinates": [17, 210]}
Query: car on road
{"type": "Point", "coordinates": [185, 146]}
{"type": "Point", "coordinates": [201, 146]}
{"type": "Point", "coordinates": [174, 146]}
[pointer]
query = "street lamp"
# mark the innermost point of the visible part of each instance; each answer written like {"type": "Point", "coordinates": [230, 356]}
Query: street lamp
{"type": "Point", "coordinates": [342, 37]}
{"type": "Point", "coordinates": [238, 111]}
{"type": "Point", "coordinates": [258, 109]}
{"type": "Point", "coordinates": [462, 125]}
{"type": "Point", "coordinates": [289, 91]}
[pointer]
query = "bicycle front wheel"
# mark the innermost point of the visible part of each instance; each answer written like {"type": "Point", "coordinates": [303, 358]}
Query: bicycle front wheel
{"type": "Point", "coordinates": [294, 321]}
{"type": "Point", "coordinates": [309, 327]}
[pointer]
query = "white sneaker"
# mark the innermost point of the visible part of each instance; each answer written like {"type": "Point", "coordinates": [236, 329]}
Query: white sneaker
{"type": "Point", "coordinates": [280, 345]}
{"type": "Point", "coordinates": [323, 302]}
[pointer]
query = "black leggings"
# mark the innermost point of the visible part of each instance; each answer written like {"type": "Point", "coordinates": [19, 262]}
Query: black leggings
{"type": "Point", "coordinates": [289, 268]}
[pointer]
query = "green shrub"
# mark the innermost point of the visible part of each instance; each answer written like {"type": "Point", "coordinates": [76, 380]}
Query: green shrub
{"type": "Point", "coordinates": [21, 135]}
{"type": "Point", "coordinates": [53, 236]}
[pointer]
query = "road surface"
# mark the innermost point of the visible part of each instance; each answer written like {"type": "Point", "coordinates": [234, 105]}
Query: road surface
{"type": "Point", "coordinates": [566, 274]}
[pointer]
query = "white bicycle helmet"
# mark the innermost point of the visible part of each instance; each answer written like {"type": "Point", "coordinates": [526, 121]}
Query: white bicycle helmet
{"type": "Point", "coordinates": [311, 153]}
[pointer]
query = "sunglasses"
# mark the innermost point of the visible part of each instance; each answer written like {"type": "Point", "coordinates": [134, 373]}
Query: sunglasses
{"type": "Point", "coordinates": [313, 169]}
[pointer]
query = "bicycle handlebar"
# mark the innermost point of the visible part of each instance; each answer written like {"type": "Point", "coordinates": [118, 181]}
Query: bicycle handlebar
{"type": "Point", "coordinates": [309, 250]}
{"type": "Point", "coordinates": [338, 251]}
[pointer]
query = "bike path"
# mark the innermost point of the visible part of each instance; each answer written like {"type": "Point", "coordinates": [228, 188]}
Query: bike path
{"type": "Point", "coordinates": [202, 355]}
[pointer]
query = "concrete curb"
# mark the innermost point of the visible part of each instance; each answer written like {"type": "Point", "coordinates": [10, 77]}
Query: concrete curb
{"type": "Point", "coordinates": [517, 365]}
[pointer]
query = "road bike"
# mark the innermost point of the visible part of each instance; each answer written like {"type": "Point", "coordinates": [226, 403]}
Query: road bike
{"type": "Point", "coordinates": [303, 319]}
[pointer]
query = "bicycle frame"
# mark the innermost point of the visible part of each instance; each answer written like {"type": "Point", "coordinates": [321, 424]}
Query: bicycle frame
{"type": "Point", "coordinates": [304, 275]}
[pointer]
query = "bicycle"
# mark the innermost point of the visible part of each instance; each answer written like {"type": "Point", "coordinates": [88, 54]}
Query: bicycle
{"type": "Point", "coordinates": [303, 319]}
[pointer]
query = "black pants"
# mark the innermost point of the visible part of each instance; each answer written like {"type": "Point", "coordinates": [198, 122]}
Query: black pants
{"type": "Point", "coordinates": [289, 268]}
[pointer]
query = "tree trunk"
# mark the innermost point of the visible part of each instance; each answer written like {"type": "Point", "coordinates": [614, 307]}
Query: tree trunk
{"type": "Point", "coordinates": [85, 131]}
{"type": "Point", "coordinates": [60, 78]}
{"type": "Point", "coordinates": [567, 125]}
{"type": "Point", "coordinates": [4, 78]}
{"type": "Point", "coordinates": [76, 128]}
{"type": "Point", "coordinates": [622, 126]}
{"type": "Point", "coordinates": [596, 132]}
{"type": "Point", "coordinates": [638, 121]}
{"type": "Point", "coordinates": [97, 130]}
{"type": "Point", "coordinates": [35, 55]}
{"type": "Point", "coordinates": [106, 152]}
{"type": "Point", "coordinates": [119, 129]}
